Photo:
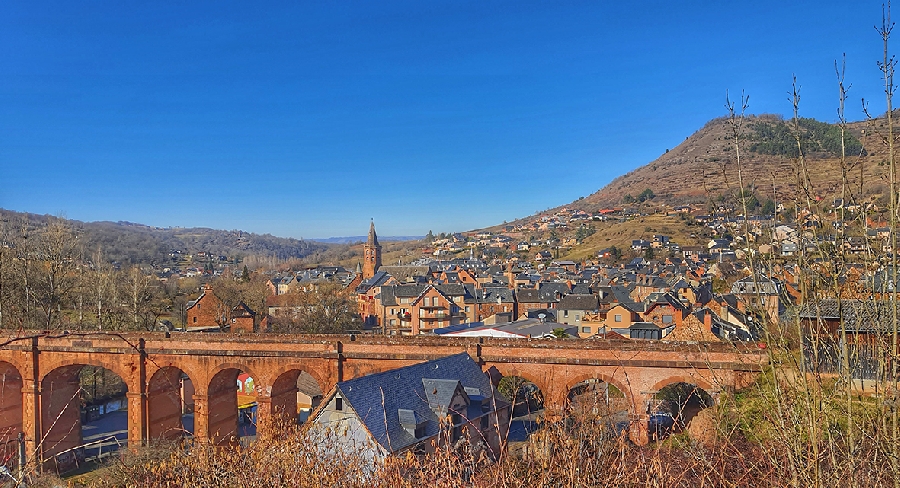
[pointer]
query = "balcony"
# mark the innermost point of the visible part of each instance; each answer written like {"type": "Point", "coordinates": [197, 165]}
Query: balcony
{"type": "Point", "coordinates": [440, 314]}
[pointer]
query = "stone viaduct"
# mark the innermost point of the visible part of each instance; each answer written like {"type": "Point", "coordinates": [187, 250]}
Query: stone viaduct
{"type": "Point", "coordinates": [39, 386]}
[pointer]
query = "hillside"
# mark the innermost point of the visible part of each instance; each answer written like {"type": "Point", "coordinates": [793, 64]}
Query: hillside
{"type": "Point", "coordinates": [127, 242]}
{"type": "Point", "coordinates": [702, 172]}
{"type": "Point", "coordinates": [703, 167]}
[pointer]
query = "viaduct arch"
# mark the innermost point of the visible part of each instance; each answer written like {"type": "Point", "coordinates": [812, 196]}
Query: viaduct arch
{"type": "Point", "coordinates": [152, 364]}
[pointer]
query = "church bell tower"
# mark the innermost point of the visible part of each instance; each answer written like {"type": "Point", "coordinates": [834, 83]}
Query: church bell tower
{"type": "Point", "coordinates": [372, 253]}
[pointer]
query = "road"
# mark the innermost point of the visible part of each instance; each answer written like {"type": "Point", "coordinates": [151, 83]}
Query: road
{"type": "Point", "coordinates": [114, 424]}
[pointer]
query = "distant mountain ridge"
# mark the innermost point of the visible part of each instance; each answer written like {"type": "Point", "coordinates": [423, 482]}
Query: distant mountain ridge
{"type": "Point", "coordinates": [127, 242]}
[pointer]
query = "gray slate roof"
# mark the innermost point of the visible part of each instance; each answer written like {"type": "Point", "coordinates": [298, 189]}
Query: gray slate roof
{"type": "Point", "coordinates": [858, 315]}
{"type": "Point", "coordinates": [379, 398]}
{"type": "Point", "coordinates": [579, 302]}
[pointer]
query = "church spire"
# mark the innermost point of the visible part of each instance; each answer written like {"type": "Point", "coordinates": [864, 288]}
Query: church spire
{"type": "Point", "coordinates": [373, 238]}
{"type": "Point", "coordinates": [371, 253]}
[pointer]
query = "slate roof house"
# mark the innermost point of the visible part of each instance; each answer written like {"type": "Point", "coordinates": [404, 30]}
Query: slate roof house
{"type": "Point", "coordinates": [573, 307]}
{"type": "Point", "coordinates": [447, 401]}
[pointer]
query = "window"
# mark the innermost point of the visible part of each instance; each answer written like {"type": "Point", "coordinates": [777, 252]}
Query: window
{"type": "Point", "coordinates": [393, 321]}
{"type": "Point", "coordinates": [585, 330]}
{"type": "Point", "coordinates": [467, 309]}
{"type": "Point", "coordinates": [456, 430]}
{"type": "Point", "coordinates": [195, 319]}
{"type": "Point", "coordinates": [617, 318]}
{"type": "Point", "coordinates": [565, 313]}
{"type": "Point", "coordinates": [339, 404]}
{"type": "Point", "coordinates": [667, 319]}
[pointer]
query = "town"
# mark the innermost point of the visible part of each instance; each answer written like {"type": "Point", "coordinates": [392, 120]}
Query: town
{"type": "Point", "coordinates": [449, 244]}
{"type": "Point", "coordinates": [503, 284]}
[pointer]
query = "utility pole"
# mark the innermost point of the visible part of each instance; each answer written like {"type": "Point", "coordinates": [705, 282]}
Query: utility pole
{"type": "Point", "coordinates": [21, 440]}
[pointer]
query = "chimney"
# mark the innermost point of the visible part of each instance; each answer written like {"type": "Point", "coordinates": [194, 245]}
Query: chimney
{"type": "Point", "coordinates": [707, 319]}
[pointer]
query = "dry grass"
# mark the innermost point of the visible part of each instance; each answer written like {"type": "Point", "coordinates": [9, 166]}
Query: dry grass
{"type": "Point", "coordinates": [759, 441]}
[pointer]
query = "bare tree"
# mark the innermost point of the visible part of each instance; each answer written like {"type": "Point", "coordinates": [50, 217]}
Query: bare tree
{"type": "Point", "coordinates": [324, 308]}
{"type": "Point", "coordinates": [55, 270]}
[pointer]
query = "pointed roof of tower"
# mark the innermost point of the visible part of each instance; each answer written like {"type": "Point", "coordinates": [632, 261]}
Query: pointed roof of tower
{"type": "Point", "coordinates": [373, 238]}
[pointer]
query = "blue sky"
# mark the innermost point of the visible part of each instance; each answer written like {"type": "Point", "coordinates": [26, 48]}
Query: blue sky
{"type": "Point", "coordinates": [306, 119]}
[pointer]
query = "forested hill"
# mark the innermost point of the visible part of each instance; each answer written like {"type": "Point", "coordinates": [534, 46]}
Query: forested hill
{"type": "Point", "coordinates": [127, 242]}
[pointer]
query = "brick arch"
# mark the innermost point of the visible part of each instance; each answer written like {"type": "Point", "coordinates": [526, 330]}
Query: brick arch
{"type": "Point", "coordinates": [162, 370]}
{"type": "Point", "coordinates": [191, 370]}
{"type": "Point", "coordinates": [696, 381]}
{"type": "Point", "coordinates": [282, 396]}
{"type": "Point", "coordinates": [505, 371]}
{"type": "Point", "coordinates": [119, 368]}
{"type": "Point", "coordinates": [258, 381]}
{"type": "Point", "coordinates": [608, 379]}
{"type": "Point", "coordinates": [285, 380]}
{"type": "Point", "coordinates": [165, 403]}
{"type": "Point", "coordinates": [16, 362]}
{"type": "Point", "coordinates": [7, 367]}
{"type": "Point", "coordinates": [11, 383]}
{"type": "Point", "coordinates": [221, 412]}
{"type": "Point", "coordinates": [60, 398]}
{"type": "Point", "coordinates": [325, 383]}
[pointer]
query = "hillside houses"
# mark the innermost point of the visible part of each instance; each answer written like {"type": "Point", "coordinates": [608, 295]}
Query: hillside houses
{"type": "Point", "coordinates": [643, 299]}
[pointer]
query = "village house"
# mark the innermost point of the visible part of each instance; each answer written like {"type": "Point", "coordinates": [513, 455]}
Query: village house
{"type": "Point", "coordinates": [620, 317]}
{"type": "Point", "coordinates": [420, 308]}
{"type": "Point", "coordinates": [279, 285]}
{"type": "Point", "coordinates": [547, 296]}
{"type": "Point", "coordinates": [664, 310]}
{"type": "Point", "coordinates": [209, 312]}
{"type": "Point", "coordinates": [572, 308]}
{"type": "Point", "coordinates": [416, 409]}
{"type": "Point", "coordinates": [759, 294]}
{"type": "Point", "coordinates": [640, 245]}
{"type": "Point", "coordinates": [485, 302]}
